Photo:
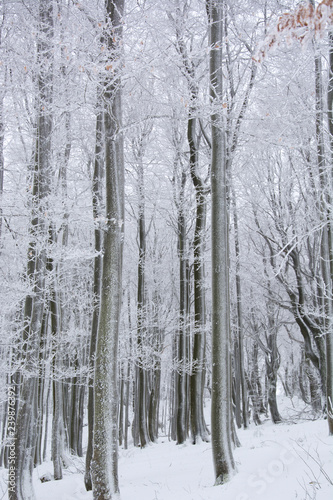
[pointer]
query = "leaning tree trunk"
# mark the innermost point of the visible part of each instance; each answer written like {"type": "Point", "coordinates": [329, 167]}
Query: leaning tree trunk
{"type": "Point", "coordinates": [104, 464]}
{"type": "Point", "coordinates": [221, 373]}
{"type": "Point", "coordinates": [25, 436]}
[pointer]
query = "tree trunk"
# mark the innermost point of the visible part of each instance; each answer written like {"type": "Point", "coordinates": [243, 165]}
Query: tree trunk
{"type": "Point", "coordinates": [104, 464]}
{"type": "Point", "coordinates": [221, 384]}
{"type": "Point", "coordinates": [239, 354]}
{"type": "Point", "coordinates": [272, 366]}
{"type": "Point", "coordinates": [155, 371]}
{"type": "Point", "coordinates": [272, 355]}
{"type": "Point", "coordinates": [197, 378]}
{"type": "Point", "coordinates": [97, 201]}
{"type": "Point", "coordinates": [40, 389]}
{"type": "Point", "coordinates": [128, 373]}
{"type": "Point", "coordinates": [141, 417]}
{"type": "Point", "coordinates": [181, 401]}
{"type": "Point", "coordinates": [329, 257]}
{"type": "Point", "coordinates": [25, 437]}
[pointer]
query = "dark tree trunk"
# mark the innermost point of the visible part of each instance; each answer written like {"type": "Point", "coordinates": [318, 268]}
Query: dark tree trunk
{"type": "Point", "coordinates": [197, 377]}
{"type": "Point", "coordinates": [104, 465]}
{"type": "Point", "coordinates": [181, 400]}
{"type": "Point", "coordinates": [141, 417]}
{"type": "Point", "coordinates": [97, 201]}
{"type": "Point", "coordinates": [239, 347]}
{"type": "Point", "coordinates": [25, 437]}
{"type": "Point", "coordinates": [328, 270]}
{"type": "Point", "coordinates": [221, 384]}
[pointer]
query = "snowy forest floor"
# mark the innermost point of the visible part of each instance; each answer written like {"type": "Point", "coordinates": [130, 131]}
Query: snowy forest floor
{"type": "Point", "coordinates": [292, 460]}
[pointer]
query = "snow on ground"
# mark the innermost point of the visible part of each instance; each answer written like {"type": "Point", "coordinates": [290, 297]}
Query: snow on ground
{"type": "Point", "coordinates": [286, 461]}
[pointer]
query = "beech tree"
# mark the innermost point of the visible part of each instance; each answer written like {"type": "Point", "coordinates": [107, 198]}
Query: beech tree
{"type": "Point", "coordinates": [104, 464]}
{"type": "Point", "coordinates": [308, 22]}
{"type": "Point", "coordinates": [98, 233]}
{"type": "Point", "coordinates": [197, 377]}
{"type": "Point", "coordinates": [221, 384]}
{"type": "Point", "coordinates": [25, 438]}
{"type": "Point", "coordinates": [84, 95]}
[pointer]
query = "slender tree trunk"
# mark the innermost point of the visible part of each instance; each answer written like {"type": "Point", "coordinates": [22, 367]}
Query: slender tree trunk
{"type": "Point", "coordinates": [57, 421]}
{"type": "Point", "coordinates": [97, 201]}
{"type": "Point", "coordinates": [198, 425]}
{"type": "Point", "coordinates": [25, 437]}
{"type": "Point", "coordinates": [46, 428]}
{"type": "Point", "coordinates": [255, 389]}
{"type": "Point", "coordinates": [40, 388]}
{"type": "Point", "coordinates": [105, 447]}
{"type": "Point", "coordinates": [121, 404]}
{"type": "Point", "coordinates": [272, 366]}
{"type": "Point", "coordinates": [324, 247]}
{"type": "Point", "coordinates": [154, 402]}
{"type": "Point", "coordinates": [272, 355]}
{"type": "Point", "coordinates": [181, 402]}
{"type": "Point", "coordinates": [221, 385]}
{"type": "Point", "coordinates": [155, 371]}
{"type": "Point", "coordinates": [197, 378]}
{"type": "Point", "coordinates": [329, 263]}
{"type": "Point", "coordinates": [141, 417]}
{"type": "Point", "coordinates": [128, 372]}
{"type": "Point", "coordinates": [240, 340]}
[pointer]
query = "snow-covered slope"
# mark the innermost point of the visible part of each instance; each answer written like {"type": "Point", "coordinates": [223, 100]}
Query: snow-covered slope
{"type": "Point", "coordinates": [276, 462]}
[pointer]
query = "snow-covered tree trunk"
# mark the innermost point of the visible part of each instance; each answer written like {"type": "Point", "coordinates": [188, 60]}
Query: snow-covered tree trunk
{"type": "Point", "coordinates": [329, 334]}
{"type": "Point", "coordinates": [97, 200]}
{"type": "Point", "coordinates": [140, 427]}
{"type": "Point", "coordinates": [25, 437]}
{"type": "Point", "coordinates": [221, 373]}
{"type": "Point", "coordinates": [272, 356]}
{"type": "Point", "coordinates": [104, 465]}
{"type": "Point", "coordinates": [197, 377]}
{"type": "Point", "coordinates": [181, 376]}
{"type": "Point", "coordinates": [240, 381]}
{"type": "Point", "coordinates": [57, 422]}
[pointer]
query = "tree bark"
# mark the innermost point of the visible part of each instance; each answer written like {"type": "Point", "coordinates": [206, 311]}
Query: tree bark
{"type": "Point", "coordinates": [141, 416]}
{"type": "Point", "coordinates": [98, 234]}
{"type": "Point", "coordinates": [181, 401]}
{"type": "Point", "coordinates": [221, 384]}
{"type": "Point", "coordinates": [329, 268]}
{"type": "Point", "coordinates": [105, 448]}
{"type": "Point", "coordinates": [197, 377]}
{"type": "Point", "coordinates": [25, 437]}
{"type": "Point", "coordinates": [239, 354]}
